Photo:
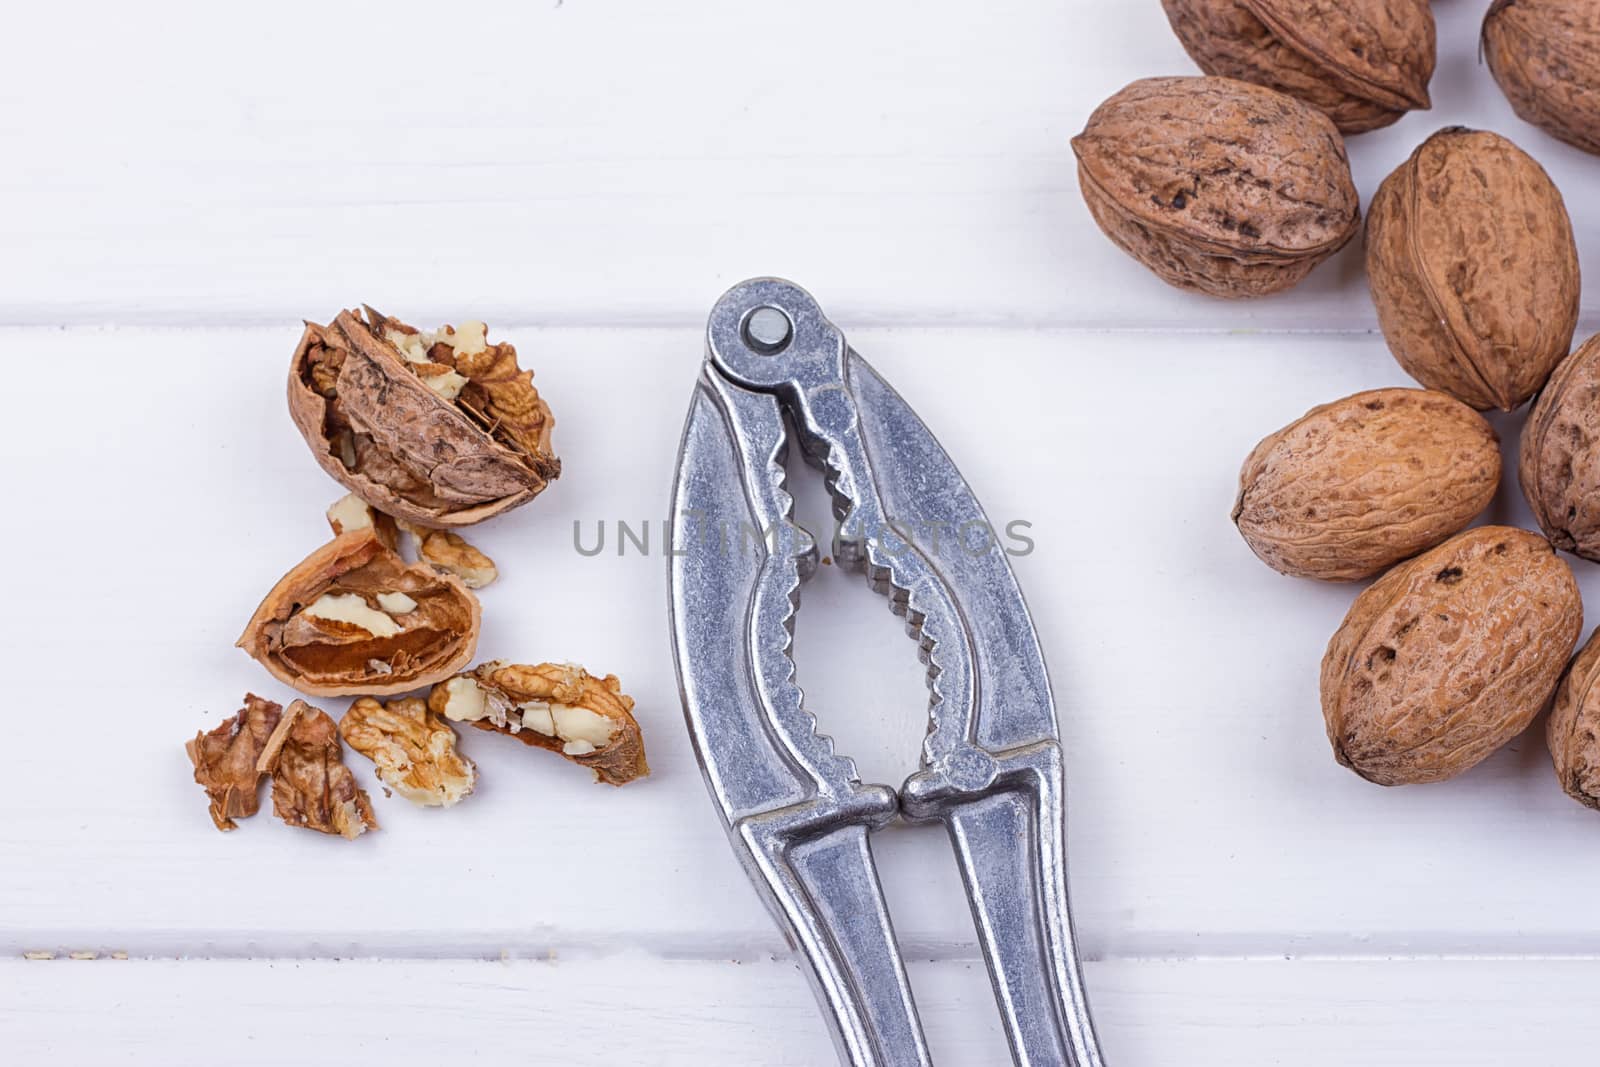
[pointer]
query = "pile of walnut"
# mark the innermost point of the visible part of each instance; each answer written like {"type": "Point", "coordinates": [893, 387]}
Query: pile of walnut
{"type": "Point", "coordinates": [1237, 184]}
{"type": "Point", "coordinates": [426, 430]}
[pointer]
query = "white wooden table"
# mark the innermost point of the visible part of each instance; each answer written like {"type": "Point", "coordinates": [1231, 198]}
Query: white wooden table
{"type": "Point", "coordinates": [185, 182]}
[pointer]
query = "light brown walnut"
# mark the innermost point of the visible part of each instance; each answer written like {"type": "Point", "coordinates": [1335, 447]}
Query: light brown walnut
{"type": "Point", "coordinates": [1545, 55]}
{"type": "Point", "coordinates": [354, 619]}
{"type": "Point", "coordinates": [311, 786]}
{"type": "Point", "coordinates": [440, 428]}
{"type": "Point", "coordinates": [1560, 462]}
{"type": "Point", "coordinates": [1473, 268]}
{"type": "Point", "coordinates": [1447, 657]}
{"type": "Point", "coordinates": [1364, 63]}
{"type": "Point", "coordinates": [1573, 732]}
{"type": "Point", "coordinates": [555, 706]}
{"type": "Point", "coordinates": [1360, 484]}
{"type": "Point", "coordinates": [414, 750]}
{"type": "Point", "coordinates": [1218, 185]}
{"type": "Point", "coordinates": [225, 760]}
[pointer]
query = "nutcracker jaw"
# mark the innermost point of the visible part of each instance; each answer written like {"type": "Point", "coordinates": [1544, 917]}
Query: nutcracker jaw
{"type": "Point", "coordinates": [797, 813]}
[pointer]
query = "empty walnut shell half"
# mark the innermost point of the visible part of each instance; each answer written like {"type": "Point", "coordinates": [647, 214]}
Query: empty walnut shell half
{"type": "Point", "coordinates": [1473, 268]}
{"type": "Point", "coordinates": [559, 707]}
{"type": "Point", "coordinates": [354, 619]}
{"type": "Point", "coordinates": [1357, 485]}
{"type": "Point", "coordinates": [1218, 185]}
{"type": "Point", "coordinates": [1545, 55]}
{"type": "Point", "coordinates": [1560, 462]}
{"type": "Point", "coordinates": [1446, 658]}
{"type": "Point", "coordinates": [441, 429]}
{"type": "Point", "coordinates": [1573, 732]}
{"type": "Point", "coordinates": [1364, 63]}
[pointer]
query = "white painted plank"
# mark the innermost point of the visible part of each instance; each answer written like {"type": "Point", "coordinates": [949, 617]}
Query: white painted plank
{"type": "Point", "coordinates": [635, 1010]}
{"type": "Point", "coordinates": [1207, 813]}
{"type": "Point", "coordinates": [591, 162]}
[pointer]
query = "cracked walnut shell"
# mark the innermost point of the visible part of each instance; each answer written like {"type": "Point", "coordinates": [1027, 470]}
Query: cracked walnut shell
{"type": "Point", "coordinates": [1446, 658]}
{"type": "Point", "coordinates": [1560, 462]}
{"type": "Point", "coordinates": [1545, 56]}
{"type": "Point", "coordinates": [1573, 732]}
{"type": "Point", "coordinates": [1473, 268]}
{"type": "Point", "coordinates": [1218, 185]}
{"type": "Point", "coordinates": [311, 786]}
{"type": "Point", "coordinates": [1364, 63]}
{"type": "Point", "coordinates": [354, 619]}
{"type": "Point", "coordinates": [555, 706]}
{"type": "Point", "coordinates": [440, 429]}
{"type": "Point", "coordinates": [1360, 484]}
{"type": "Point", "coordinates": [225, 760]}
{"type": "Point", "coordinates": [414, 750]}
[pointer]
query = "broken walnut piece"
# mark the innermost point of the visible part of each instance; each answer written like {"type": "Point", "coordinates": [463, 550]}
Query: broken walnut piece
{"type": "Point", "coordinates": [413, 748]}
{"type": "Point", "coordinates": [225, 760]}
{"type": "Point", "coordinates": [354, 619]}
{"type": "Point", "coordinates": [350, 513]}
{"type": "Point", "coordinates": [451, 553]}
{"type": "Point", "coordinates": [554, 706]}
{"type": "Point", "coordinates": [440, 428]}
{"type": "Point", "coordinates": [311, 786]}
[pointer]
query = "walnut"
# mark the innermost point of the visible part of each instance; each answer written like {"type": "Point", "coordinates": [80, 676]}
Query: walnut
{"type": "Point", "coordinates": [350, 513]}
{"type": "Point", "coordinates": [311, 786]}
{"type": "Point", "coordinates": [354, 619]}
{"type": "Point", "coordinates": [1473, 268]}
{"type": "Point", "coordinates": [1560, 462]}
{"type": "Point", "coordinates": [1360, 484]}
{"type": "Point", "coordinates": [1218, 185]}
{"type": "Point", "coordinates": [414, 749]}
{"type": "Point", "coordinates": [559, 707]}
{"type": "Point", "coordinates": [1449, 656]}
{"type": "Point", "coordinates": [441, 428]}
{"type": "Point", "coordinates": [449, 552]}
{"type": "Point", "coordinates": [1364, 63]}
{"type": "Point", "coordinates": [225, 760]}
{"type": "Point", "coordinates": [1545, 55]}
{"type": "Point", "coordinates": [1573, 732]}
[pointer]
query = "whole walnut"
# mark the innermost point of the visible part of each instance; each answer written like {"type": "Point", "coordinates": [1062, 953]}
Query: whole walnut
{"type": "Point", "coordinates": [1216, 184]}
{"type": "Point", "coordinates": [1573, 732]}
{"type": "Point", "coordinates": [1449, 656]}
{"type": "Point", "coordinates": [1363, 62]}
{"type": "Point", "coordinates": [1473, 268]}
{"type": "Point", "coordinates": [1359, 484]}
{"type": "Point", "coordinates": [1560, 464]}
{"type": "Point", "coordinates": [1546, 56]}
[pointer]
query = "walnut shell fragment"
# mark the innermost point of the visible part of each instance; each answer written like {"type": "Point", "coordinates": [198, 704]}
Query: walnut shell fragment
{"type": "Point", "coordinates": [1560, 462]}
{"type": "Point", "coordinates": [1364, 63]}
{"type": "Point", "coordinates": [1218, 185]}
{"type": "Point", "coordinates": [1446, 658]}
{"type": "Point", "coordinates": [554, 706]}
{"type": "Point", "coordinates": [1545, 55]}
{"type": "Point", "coordinates": [1360, 484]}
{"type": "Point", "coordinates": [311, 786]}
{"type": "Point", "coordinates": [441, 428]}
{"type": "Point", "coordinates": [353, 618]}
{"type": "Point", "coordinates": [1473, 268]}
{"type": "Point", "coordinates": [1573, 732]}
{"type": "Point", "coordinates": [225, 760]}
{"type": "Point", "coordinates": [414, 749]}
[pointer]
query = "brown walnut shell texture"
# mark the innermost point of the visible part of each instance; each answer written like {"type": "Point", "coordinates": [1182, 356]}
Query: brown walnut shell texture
{"type": "Point", "coordinates": [1363, 63]}
{"type": "Point", "coordinates": [1473, 268]}
{"type": "Point", "coordinates": [331, 657]}
{"type": "Point", "coordinates": [1573, 732]}
{"type": "Point", "coordinates": [1560, 463]}
{"type": "Point", "coordinates": [375, 426]}
{"type": "Point", "coordinates": [1545, 55]}
{"type": "Point", "coordinates": [311, 786]}
{"type": "Point", "coordinates": [1362, 483]}
{"type": "Point", "coordinates": [1449, 656]}
{"type": "Point", "coordinates": [1218, 185]}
